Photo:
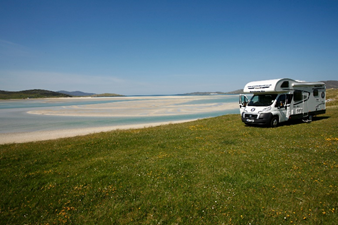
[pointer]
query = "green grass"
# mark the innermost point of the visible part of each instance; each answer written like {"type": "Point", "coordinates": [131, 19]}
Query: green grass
{"type": "Point", "coordinates": [34, 93]}
{"type": "Point", "coordinates": [210, 171]}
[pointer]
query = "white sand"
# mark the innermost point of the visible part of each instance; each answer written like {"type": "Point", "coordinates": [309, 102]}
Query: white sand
{"type": "Point", "coordinates": [7, 138]}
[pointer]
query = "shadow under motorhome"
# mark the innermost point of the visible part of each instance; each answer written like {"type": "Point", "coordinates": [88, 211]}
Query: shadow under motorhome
{"type": "Point", "coordinates": [280, 100]}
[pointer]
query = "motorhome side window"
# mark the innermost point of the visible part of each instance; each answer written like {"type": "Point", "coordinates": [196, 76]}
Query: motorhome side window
{"type": "Point", "coordinates": [281, 101]}
{"type": "Point", "coordinates": [315, 92]}
{"type": "Point", "coordinates": [298, 96]}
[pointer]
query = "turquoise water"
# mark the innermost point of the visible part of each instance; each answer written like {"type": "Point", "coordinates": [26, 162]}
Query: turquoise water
{"type": "Point", "coordinates": [14, 117]}
{"type": "Point", "coordinates": [36, 103]}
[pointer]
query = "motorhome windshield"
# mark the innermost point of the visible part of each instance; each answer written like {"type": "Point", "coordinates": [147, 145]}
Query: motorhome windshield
{"type": "Point", "coordinates": [262, 100]}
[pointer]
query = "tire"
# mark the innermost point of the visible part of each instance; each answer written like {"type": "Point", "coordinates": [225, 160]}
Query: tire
{"type": "Point", "coordinates": [274, 121]}
{"type": "Point", "coordinates": [308, 119]}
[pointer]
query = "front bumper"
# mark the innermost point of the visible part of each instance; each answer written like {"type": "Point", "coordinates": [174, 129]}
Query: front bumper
{"type": "Point", "coordinates": [263, 119]}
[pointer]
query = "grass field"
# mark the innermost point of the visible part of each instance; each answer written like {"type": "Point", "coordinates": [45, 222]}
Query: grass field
{"type": "Point", "coordinates": [211, 171]}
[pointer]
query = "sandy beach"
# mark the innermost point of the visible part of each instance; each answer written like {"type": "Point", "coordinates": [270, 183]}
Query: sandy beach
{"type": "Point", "coordinates": [140, 107]}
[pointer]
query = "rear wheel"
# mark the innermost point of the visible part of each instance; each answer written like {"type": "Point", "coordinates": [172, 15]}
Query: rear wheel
{"type": "Point", "coordinates": [274, 121]}
{"type": "Point", "coordinates": [308, 119]}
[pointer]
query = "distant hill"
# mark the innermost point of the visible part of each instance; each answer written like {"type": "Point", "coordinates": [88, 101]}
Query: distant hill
{"type": "Point", "coordinates": [76, 93]}
{"type": "Point", "coordinates": [34, 93]}
{"type": "Point", "coordinates": [331, 83]}
{"type": "Point", "coordinates": [239, 91]}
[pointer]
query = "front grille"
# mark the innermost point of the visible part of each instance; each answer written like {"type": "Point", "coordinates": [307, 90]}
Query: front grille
{"type": "Point", "coordinates": [250, 116]}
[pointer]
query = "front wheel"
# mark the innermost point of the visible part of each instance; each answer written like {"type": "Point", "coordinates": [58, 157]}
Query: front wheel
{"type": "Point", "coordinates": [274, 121]}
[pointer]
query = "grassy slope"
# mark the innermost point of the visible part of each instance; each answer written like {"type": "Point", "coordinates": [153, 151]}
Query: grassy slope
{"type": "Point", "coordinates": [35, 93]}
{"type": "Point", "coordinates": [210, 171]}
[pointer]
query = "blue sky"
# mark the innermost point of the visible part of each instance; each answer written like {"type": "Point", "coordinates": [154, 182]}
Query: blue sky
{"type": "Point", "coordinates": [164, 47]}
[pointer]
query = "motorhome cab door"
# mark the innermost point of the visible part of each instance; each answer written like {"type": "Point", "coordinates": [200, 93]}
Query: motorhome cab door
{"type": "Point", "coordinates": [283, 106]}
{"type": "Point", "coordinates": [243, 101]}
{"type": "Point", "coordinates": [300, 102]}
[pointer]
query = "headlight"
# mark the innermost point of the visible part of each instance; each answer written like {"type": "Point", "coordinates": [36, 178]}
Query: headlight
{"type": "Point", "coordinates": [261, 116]}
{"type": "Point", "coordinates": [267, 108]}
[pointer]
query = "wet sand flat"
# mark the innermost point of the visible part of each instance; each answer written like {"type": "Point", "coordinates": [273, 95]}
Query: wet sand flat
{"type": "Point", "coordinates": [161, 106]}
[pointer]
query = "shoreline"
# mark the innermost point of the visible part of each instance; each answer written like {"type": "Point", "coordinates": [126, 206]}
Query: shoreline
{"type": "Point", "coordinates": [23, 137]}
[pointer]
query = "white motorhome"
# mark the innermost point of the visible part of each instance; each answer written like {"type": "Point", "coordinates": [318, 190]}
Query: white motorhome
{"type": "Point", "coordinates": [279, 100]}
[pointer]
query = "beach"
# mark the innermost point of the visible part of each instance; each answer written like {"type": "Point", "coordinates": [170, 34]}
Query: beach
{"type": "Point", "coordinates": [176, 109]}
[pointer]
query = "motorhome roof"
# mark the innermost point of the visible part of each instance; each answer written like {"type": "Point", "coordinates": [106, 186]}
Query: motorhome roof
{"type": "Point", "coordinates": [266, 85]}
{"type": "Point", "coordinates": [277, 85]}
{"type": "Point", "coordinates": [303, 84]}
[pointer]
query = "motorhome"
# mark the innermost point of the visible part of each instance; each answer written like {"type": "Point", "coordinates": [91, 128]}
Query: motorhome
{"type": "Point", "coordinates": [280, 100]}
